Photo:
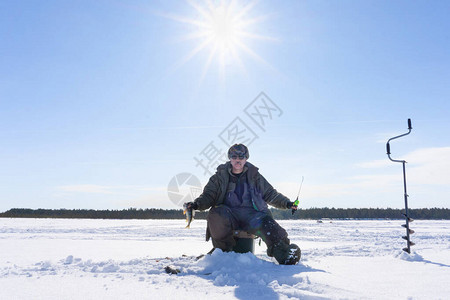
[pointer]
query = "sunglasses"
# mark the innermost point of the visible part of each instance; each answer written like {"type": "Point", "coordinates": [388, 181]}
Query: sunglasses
{"type": "Point", "coordinates": [237, 156]}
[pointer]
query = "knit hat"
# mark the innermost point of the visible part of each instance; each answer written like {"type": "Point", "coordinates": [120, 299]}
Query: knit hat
{"type": "Point", "coordinates": [238, 149]}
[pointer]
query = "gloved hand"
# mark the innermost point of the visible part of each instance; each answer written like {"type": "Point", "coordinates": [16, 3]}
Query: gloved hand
{"type": "Point", "coordinates": [192, 205]}
{"type": "Point", "coordinates": [290, 205]}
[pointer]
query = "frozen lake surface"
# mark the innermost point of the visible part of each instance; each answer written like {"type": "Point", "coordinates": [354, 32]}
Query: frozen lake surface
{"type": "Point", "coordinates": [125, 259]}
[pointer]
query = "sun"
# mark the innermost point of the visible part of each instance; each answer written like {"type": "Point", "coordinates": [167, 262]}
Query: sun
{"type": "Point", "coordinates": [222, 31]}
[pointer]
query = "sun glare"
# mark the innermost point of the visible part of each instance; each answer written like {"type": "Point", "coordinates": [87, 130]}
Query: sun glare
{"type": "Point", "coordinates": [222, 30]}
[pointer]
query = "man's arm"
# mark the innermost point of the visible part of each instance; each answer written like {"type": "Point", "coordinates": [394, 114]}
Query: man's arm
{"type": "Point", "coordinates": [273, 197]}
{"type": "Point", "coordinates": [209, 195]}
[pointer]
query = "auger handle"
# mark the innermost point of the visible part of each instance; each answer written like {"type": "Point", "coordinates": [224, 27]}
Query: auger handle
{"type": "Point", "coordinates": [388, 147]}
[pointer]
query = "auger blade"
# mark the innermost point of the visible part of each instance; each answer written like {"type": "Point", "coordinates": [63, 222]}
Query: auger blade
{"type": "Point", "coordinates": [410, 243]}
{"type": "Point", "coordinates": [409, 219]}
{"type": "Point", "coordinates": [409, 230]}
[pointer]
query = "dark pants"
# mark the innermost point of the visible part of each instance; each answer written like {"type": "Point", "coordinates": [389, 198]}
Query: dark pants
{"type": "Point", "coordinates": [223, 220]}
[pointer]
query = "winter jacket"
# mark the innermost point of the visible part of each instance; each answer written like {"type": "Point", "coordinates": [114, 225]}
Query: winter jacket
{"type": "Point", "coordinates": [262, 193]}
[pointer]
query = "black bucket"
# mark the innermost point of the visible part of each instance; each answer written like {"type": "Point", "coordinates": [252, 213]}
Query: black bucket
{"type": "Point", "coordinates": [244, 242]}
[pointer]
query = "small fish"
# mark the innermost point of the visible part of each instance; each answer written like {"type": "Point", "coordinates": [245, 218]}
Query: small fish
{"type": "Point", "coordinates": [189, 212]}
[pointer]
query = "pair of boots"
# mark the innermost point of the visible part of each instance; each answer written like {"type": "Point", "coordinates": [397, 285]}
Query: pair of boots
{"type": "Point", "coordinates": [284, 253]}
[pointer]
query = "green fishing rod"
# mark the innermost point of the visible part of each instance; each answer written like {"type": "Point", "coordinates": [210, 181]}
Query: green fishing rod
{"type": "Point", "coordinates": [296, 202]}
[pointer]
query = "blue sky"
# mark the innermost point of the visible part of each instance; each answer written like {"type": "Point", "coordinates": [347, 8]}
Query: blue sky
{"type": "Point", "coordinates": [102, 103]}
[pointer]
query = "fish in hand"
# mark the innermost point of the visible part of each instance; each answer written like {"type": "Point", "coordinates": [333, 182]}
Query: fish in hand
{"type": "Point", "coordinates": [189, 212]}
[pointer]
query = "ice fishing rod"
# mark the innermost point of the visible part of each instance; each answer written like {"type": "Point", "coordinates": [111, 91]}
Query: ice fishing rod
{"type": "Point", "coordinates": [407, 218]}
{"type": "Point", "coordinates": [296, 202]}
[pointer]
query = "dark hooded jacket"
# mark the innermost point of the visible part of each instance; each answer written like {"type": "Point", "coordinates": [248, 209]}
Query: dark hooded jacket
{"type": "Point", "coordinates": [262, 193]}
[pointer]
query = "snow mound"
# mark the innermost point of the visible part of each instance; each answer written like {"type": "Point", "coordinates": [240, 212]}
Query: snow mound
{"type": "Point", "coordinates": [254, 277]}
{"type": "Point", "coordinates": [250, 276]}
{"type": "Point", "coordinates": [233, 268]}
{"type": "Point", "coordinates": [414, 256]}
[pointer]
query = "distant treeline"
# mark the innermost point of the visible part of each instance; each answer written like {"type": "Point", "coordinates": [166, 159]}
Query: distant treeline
{"type": "Point", "coordinates": [153, 213]}
{"type": "Point", "coordinates": [131, 213]}
{"type": "Point", "coordinates": [363, 213]}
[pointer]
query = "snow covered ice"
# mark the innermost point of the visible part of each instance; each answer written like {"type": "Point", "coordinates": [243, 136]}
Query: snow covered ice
{"type": "Point", "coordinates": [125, 259]}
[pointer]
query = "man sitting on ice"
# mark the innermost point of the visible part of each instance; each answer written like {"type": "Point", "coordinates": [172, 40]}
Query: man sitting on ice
{"type": "Point", "coordinates": [238, 197]}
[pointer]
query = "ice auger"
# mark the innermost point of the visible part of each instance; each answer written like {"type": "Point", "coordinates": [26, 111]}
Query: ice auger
{"type": "Point", "coordinates": [407, 218]}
